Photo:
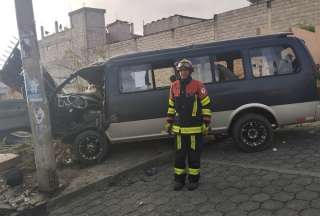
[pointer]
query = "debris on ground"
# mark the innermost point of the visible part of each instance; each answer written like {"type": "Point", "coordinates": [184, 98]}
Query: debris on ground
{"type": "Point", "coordinates": [14, 177]}
{"type": "Point", "coordinates": [140, 203]}
{"type": "Point", "coordinates": [8, 161]}
{"type": "Point", "coordinates": [20, 197]}
{"type": "Point", "coordinates": [18, 185]}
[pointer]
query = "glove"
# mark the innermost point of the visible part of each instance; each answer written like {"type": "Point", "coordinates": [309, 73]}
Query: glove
{"type": "Point", "coordinates": [205, 129]}
{"type": "Point", "coordinates": [168, 127]}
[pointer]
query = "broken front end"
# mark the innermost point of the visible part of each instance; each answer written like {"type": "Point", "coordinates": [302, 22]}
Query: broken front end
{"type": "Point", "coordinates": [76, 108]}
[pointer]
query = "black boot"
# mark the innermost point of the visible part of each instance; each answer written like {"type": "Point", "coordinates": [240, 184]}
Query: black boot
{"type": "Point", "coordinates": [178, 186]}
{"type": "Point", "coordinates": [193, 185]}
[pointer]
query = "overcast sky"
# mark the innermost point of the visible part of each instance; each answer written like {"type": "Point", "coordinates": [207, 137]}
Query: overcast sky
{"type": "Point", "coordinates": [136, 11]}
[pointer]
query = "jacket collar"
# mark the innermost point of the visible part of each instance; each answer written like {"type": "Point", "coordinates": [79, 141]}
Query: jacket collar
{"type": "Point", "coordinates": [186, 81]}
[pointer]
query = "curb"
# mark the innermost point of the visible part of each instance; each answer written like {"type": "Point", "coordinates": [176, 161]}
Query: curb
{"type": "Point", "coordinates": [106, 182]}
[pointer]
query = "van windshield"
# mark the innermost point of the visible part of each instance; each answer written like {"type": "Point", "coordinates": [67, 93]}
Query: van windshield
{"type": "Point", "coordinates": [77, 85]}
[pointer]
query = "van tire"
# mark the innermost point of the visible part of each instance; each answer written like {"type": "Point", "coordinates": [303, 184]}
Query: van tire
{"type": "Point", "coordinates": [98, 145]}
{"type": "Point", "coordinates": [252, 133]}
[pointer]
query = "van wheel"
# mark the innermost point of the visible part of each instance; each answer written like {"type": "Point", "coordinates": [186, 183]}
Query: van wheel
{"type": "Point", "coordinates": [252, 133]}
{"type": "Point", "coordinates": [90, 147]}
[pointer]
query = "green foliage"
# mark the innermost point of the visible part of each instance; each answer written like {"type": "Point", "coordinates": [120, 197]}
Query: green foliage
{"type": "Point", "coordinates": [307, 27]}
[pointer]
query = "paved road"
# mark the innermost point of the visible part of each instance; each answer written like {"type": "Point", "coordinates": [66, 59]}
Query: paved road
{"type": "Point", "coordinates": [283, 182]}
{"type": "Point", "coordinates": [298, 148]}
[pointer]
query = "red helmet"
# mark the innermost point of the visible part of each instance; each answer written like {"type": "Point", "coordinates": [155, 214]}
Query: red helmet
{"type": "Point", "coordinates": [185, 64]}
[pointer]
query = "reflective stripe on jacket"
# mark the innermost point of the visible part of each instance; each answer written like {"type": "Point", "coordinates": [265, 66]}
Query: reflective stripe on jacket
{"type": "Point", "coordinates": [189, 106]}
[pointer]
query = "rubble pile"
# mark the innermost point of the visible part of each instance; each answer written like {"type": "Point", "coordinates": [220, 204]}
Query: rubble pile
{"type": "Point", "coordinates": [19, 197]}
{"type": "Point", "coordinates": [26, 195]}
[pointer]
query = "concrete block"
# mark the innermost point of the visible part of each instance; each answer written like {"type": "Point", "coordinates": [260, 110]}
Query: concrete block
{"type": "Point", "coordinates": [8, 161]}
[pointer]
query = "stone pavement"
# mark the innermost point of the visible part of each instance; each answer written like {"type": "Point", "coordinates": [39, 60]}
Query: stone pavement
{"type": "Point", "coordinates": [297, 149]}
{"type": "Point", "coordinates": [121, 158]}
{"type": "Point", "coordinates": [283, 182]}
{"type": "Point", "coordinates": [224, 190]}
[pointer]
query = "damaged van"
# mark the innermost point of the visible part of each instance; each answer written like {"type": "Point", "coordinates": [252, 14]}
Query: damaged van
{"type": "Point", "coordinates": [256, 85]}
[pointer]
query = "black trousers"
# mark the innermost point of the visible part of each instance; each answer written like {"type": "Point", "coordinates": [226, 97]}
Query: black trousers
{"type": "Point", "coordinates": [188, 150]}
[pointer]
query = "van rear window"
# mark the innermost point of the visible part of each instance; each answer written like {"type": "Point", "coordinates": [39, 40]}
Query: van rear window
{"type": "Point", "coordinates": [271, 61]}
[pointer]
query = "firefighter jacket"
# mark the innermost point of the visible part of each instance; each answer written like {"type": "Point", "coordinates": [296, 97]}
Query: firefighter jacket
{"type": "Point", "coordinates": [189, 107]}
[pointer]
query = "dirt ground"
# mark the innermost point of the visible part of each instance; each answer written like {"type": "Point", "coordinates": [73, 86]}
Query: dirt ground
{"type": "Point", "coordinates": [71, 175]}
{"type": "Point", "coordinates": [27, 194]}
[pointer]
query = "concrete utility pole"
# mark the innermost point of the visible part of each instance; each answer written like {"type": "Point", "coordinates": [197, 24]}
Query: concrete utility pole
{"type": "Point", "coordinates": [36, 98]}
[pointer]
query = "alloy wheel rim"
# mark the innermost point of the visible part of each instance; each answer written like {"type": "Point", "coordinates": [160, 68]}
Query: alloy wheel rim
{"type": "Point", "coordinates": [253, 133]}
{"type": "Point", "coordinates": [90, 147]}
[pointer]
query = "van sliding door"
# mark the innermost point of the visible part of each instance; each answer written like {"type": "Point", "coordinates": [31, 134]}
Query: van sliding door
{"type": "Point", "coordinates": [138, 109]}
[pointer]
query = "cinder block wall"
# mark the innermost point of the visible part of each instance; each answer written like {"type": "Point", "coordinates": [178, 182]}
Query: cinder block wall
{"type": "Point", "coordinates": [289, 13]}
{"type": "Point", "coordinates": [168, 23]}
{"type": "Point", "coordinates": [68, 50]}
{"type": "Point", "coordinates": [202, 32]}
{"type": "Point", "coordinates": [253, 20]}
{"type": "Point", "coordinates": [86, 38]}
{"type": "Point", "coordinates": [242, 22]}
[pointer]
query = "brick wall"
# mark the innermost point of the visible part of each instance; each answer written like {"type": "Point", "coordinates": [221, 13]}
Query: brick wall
{"type": "Point", "coordinates": [69, 50]}
{"type": "Point", "coordinates": [128, 46]}
{"type": "Point", "coordinates": [202, 32]}
{"type": "Point", "coordinates": [241, 22]}
{"type": "Point", "coordinates": [289, 13]}
{"type": "Point", "coordinates": [248, 21]}
{"type": "Point", "coordinates": [168, 23]}
{"type": "Point", "coordinates": [182, 36]}
{"type": "Point", "coordinates": [157, 41]}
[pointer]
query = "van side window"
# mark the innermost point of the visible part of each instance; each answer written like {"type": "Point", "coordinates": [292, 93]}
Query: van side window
{"type": "Point", "coordinates": [162, 76]}
{"type": "Point", "coordinates": [135, 78]}
{"type": "Point", "coordinates": [202, 69]}
{"type": "Point", "coordinates": [228, 67]}
{"type": "Point", "coordinates": [270, 61]}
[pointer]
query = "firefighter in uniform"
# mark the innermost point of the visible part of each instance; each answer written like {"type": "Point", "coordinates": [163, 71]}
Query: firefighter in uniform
{"type": "Point", "coordinates": [189, 116]}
